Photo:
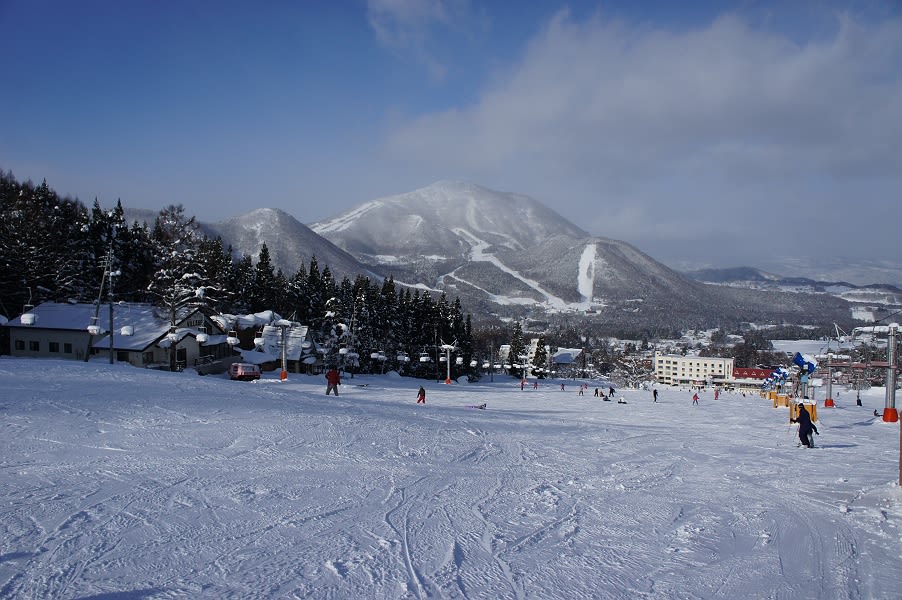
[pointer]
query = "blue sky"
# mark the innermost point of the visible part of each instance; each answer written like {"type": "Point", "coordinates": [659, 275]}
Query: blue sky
{"type": "Point", "coordinates": [705, 133]}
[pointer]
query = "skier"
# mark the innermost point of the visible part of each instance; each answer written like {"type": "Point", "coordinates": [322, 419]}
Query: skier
{"type": "Point", "coordinates": [332, 380]}
{"type": "Point", "coordinates": [695, 398]}
{"type": "Point", "coordinates": [806, 427]}
{"type": "Point", "coordinates": [654, 394]}
{"type": "Point", "coordinates": [421, 395]}
{"type": "Point", "coordinates": [716, 393]}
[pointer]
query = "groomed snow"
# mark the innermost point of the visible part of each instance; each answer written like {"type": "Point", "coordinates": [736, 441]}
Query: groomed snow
{"type": "Point", "coordinates": [117, 482]}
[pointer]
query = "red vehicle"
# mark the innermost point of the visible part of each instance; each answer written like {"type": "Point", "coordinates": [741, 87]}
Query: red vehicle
{"type": "Point", "coordinates": [244, 371]}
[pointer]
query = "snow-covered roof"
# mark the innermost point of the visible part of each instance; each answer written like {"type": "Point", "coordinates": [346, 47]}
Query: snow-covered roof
{"type": "Point", "coordinates": [566, 356]}
{"type": "Point", "coordinates": [253, 321]}
{"type": "Point", "coordinates": [271, 348]}
{"type": "Point", "coordinates": [148, 324]}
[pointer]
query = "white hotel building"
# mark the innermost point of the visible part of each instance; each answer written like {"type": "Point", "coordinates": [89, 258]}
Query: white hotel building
{"type": "Point", "coordinates": [674, 369]}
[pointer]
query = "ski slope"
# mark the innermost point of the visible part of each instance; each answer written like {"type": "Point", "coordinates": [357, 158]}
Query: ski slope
{"type": "Point", "coordinates": [121, 482]}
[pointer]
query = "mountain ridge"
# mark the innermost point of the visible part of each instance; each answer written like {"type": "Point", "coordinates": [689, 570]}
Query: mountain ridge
{"type": "Point", "coordinates": [509, 256]}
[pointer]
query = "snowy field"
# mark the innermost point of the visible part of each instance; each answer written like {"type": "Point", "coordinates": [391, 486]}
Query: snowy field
{"type": "Point", "coordinates": [118, 482]}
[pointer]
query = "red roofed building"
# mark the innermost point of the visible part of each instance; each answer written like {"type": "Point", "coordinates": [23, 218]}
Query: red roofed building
{"type": "Point", "coordinates": [746, 373]}
{"type": "Point", "coordinates": [745, 378]}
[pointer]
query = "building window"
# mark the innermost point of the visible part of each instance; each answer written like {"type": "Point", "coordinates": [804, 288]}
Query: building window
{"type": "Point", "coordinates": [54, 346]}
{"type": "Point", "coordinates": [20, 344]}
{"type": "Point", "coordinates": [121, 356]}
{"type": "Point", "coordinates": [34, 346]}
{"type": "Point", "coordinates": [67, 348]}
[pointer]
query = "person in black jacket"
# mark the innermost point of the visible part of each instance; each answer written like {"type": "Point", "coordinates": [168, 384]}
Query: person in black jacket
{"type": "Point", "coordinates": [806, 427]}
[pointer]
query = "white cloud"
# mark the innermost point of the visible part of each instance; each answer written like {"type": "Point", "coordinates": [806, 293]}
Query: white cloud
{"type": "Point", "coordinates": [405, 26]}
{"type": "Point", "coordinates": [710, 121]}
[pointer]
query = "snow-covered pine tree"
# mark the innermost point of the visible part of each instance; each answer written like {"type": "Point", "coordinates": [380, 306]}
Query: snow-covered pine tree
{"type": "Point", "coordinates": [540, 358]}
{"type": "Point", "coordinates": [518, 349]}
{"type": "Point", "coordinates": [218, 266]}
{"type": "Point", "coordinates": [179, 284]}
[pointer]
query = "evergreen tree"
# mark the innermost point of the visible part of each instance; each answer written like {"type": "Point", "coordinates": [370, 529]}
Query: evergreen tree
{"type": "Point", "coordinates": [179, 284]}
{"type": "Point", "coordinates": [298, 303]}
{"type": "Point", "coordinates": [241, 284]}
{"type": "Point", "coordinates": [263, 289]}
{"type": "Point", "coordinates": [518, 350]}
{"type": "Point", "coordinates": [540, 358]}
{"type": "Point", "coordinates": [218, 266]}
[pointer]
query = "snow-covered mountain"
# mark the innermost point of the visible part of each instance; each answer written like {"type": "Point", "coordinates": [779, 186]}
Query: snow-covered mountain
{"type": "Point", "coordinates": [291, 244]}
{"type": "Point", "coordinates": [511, 255]}
{"type": "Point", "coordinates": [444, 221]}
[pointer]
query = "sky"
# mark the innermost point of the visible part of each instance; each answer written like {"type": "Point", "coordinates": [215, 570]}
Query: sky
{"type": "Point", "coordinates": [122, 482]}
{"type": "Point", "coordinates": [705, 133]}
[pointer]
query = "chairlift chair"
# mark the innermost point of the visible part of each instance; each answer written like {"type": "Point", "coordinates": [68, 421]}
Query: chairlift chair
{"type": "Point", "coordinates": [28, 316]}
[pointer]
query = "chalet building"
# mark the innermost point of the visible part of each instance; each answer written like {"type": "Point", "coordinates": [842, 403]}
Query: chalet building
{"type": "Point", "coordinates": [141, 335]}
{"type": "Point", "coordinates": [673, 369]}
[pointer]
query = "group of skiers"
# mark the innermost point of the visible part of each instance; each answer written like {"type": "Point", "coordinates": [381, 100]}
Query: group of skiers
{"type": "Point", "coordinates": [807, 429]}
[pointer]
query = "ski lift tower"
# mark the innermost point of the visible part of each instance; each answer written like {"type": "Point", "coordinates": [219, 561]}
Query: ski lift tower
{"type": "Point", "coordinates": [890, 414]}
{"type": "Point", "coordinates": [448, 348]}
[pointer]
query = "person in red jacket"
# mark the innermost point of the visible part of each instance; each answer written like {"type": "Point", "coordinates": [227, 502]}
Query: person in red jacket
{"type": "Point", "coordinates": [332, 380]}
{"type": "Point", "coordinates": [421, 395]}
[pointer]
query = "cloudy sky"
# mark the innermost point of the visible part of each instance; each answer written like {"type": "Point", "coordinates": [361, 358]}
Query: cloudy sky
{"type": "Point", "coordinates": [705, 133]}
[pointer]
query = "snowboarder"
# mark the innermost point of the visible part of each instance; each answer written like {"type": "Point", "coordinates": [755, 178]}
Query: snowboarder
{"type": "Point", "coordinates": [695, 398]}
{"type": "Point", "coordinates": [332, 380]}
{"type": "Point", "coordinates": [806, 427]}
{"type": "Point", "coordinates": [621, 400]}
{"type": "Point", "coordinates": [654, 394]}
{"type": "Point", "coordinates": [562, 387]}
{"type": "Point", "coordinates": [610, 392]}
{"type": "Point", "coordinates": [596, 392]}
{"type": "Point", "coordinates": [421, 395]}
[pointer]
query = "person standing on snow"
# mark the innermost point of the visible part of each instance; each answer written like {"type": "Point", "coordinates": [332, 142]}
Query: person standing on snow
{"type": "Point", "coordinates": [654, 394]}
{"type": "Point", "coordinates": [806, 427]}
{"type": "Point", "coordinates": [332, 380]}
{"type": "Point", "coordinates": [610, 392]}
{"type": "Point", "coordinates": [695, 398]}
{"type": "Point", "coordinates": [421, 395]}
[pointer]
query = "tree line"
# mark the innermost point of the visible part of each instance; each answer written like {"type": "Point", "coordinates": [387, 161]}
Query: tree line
{"type": "Point", "coordinates": [55, 248]}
